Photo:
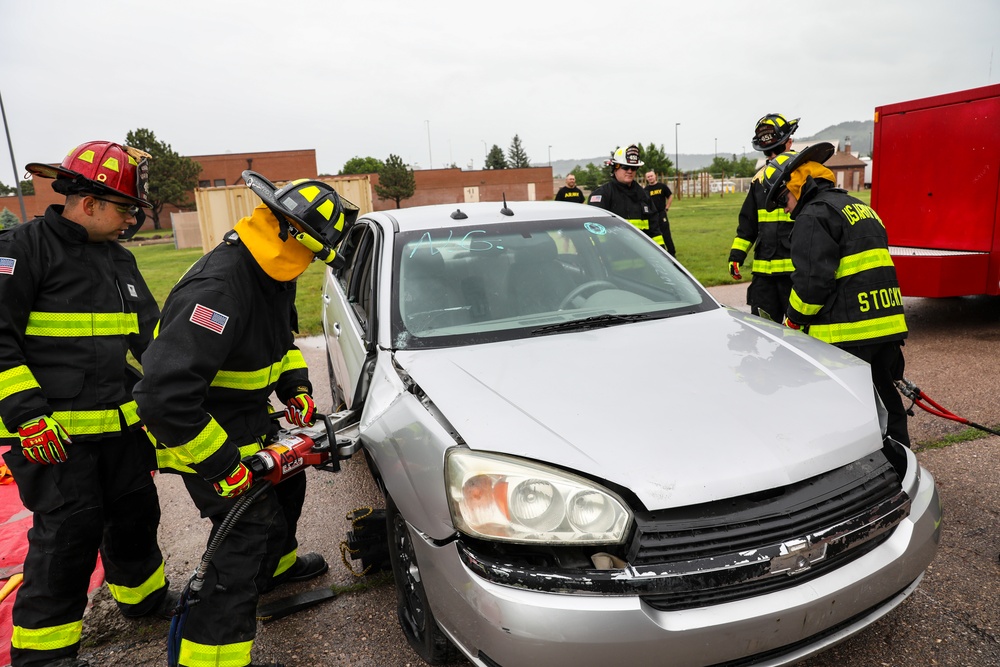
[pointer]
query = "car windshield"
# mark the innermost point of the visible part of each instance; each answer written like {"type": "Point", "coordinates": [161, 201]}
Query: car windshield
{"type": "Point", "coordinates": [466, 285]}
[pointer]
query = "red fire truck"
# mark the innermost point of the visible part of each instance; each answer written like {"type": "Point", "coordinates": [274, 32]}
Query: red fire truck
{"type": "Point", "coordinates": [935, 184]}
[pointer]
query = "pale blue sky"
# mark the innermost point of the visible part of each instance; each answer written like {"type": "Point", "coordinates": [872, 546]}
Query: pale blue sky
{"type": "Point", "coordinates": [379, 76]}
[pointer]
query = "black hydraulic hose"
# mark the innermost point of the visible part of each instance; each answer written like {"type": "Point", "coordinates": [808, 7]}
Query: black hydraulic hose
{"type": "Point", "coordinates": [926, 403]}
{"type": "Point", "coordinates": [197, 581]}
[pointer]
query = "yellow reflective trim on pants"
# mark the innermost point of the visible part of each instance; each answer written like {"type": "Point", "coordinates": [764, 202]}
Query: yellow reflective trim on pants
{"type": "Point", "coordinates": [640, 224]}
{"type": "Point", "coordinates": [772, 266]}
{"type": "Point", "coordinates": [62, 325]}
{"type": "Point", "coordinates": [47, 639]}
{"type": "Point", "coordinates": [128, 595]}
{"type": "Point", "coordinates": [19, 378]}
{"type": "Point", "coordinates": [777, 215]}
{"type": "Point", "coordinates": [167, 459]}
{"type": "Point", "coordinates": [801, 306]}
{"type": "Point", "coordinates": [862, 261]}
{"type": "Point", "coordinates": [740, 244]}
{"type": "Point", "coordinates": [193, 654]}
{"type": "Point", "coordinates": [286, 562]}
{"type": "Point", "coordinates": [855, 331]}
{"type": "Point", "coordinates": [658, 239]}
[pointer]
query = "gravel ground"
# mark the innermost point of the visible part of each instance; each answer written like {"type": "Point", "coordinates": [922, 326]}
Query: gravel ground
{"type": "Point", "coordinates": [952, 620]}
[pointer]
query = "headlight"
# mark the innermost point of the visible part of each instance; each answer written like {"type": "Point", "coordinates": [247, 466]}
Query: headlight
{"type": "Point", "coordinates": [499, 497]}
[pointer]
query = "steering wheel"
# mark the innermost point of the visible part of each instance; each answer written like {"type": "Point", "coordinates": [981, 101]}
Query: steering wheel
{"type": "Point", "coordinates": [580, 290]}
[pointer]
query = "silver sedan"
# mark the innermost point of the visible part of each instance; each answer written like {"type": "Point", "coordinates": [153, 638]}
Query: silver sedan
{"type": "Point", "coordinates": [587, 460]}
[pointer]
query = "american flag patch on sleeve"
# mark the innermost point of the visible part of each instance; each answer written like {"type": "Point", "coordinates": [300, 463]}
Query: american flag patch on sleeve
{"type": "Point", "coordinates": [208, 318]}
{"type": "Point", "coordinates": [595, 198]}
{"type": "Point", "coordinates": [7, 265]}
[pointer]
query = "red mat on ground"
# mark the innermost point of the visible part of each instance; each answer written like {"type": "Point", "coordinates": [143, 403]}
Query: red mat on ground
{"type": "Point", "coordinates": [15, 521]}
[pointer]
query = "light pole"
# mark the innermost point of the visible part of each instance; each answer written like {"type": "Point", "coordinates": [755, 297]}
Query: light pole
{"type": "Point", "coordinates": [486, 153]}
{"type": "Point", "coordinates": [677, 162]}
{"type": "Point", "coordinates": [13, 163]}
{"type": "Point", "coordinates": [550, 155]}
{"type": "Point", "coordinates": [716, 147]}
{"type": "Point", "coordinates": [430, 160]}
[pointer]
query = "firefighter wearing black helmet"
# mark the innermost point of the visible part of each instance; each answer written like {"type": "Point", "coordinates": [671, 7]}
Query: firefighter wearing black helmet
{"type": "Point", "coordinates": [624, 197]}
{"type": "Point", "coordinates": [767, 232]}
{"type": "Point", "coordinates": [844, 287]}
{"type": "Point", "coordinates": [224, 345]}
{"type": "Point", "coordinates": [72, 306]}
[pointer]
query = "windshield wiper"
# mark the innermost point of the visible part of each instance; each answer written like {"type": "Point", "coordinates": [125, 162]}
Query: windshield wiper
{"type": "Point", "coordinates": [595, 322]}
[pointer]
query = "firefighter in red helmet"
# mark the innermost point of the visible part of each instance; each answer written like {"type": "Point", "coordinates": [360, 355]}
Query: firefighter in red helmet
{"type": "Point", "coordinates": [72, 305]}
{"type": "Point", "coordinates": [225, 344]}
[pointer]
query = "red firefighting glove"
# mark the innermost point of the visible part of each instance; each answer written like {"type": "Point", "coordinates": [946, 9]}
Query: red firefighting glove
{"type": "Point", "coordinates": [791, 325]}
{"type": "Point", "coordinates": [734, 270]}
{"type": "Point", "coordinates": [43, 441]}
{"type": "Point", "coordinates": [301, 410]}
{"type": "Point", "coordinates": [235, 483]}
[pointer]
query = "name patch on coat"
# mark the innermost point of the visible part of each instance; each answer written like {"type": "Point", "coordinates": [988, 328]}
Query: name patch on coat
{"type": "Point", "coordinates": [212, 320]}
{"type": "Point", "coordinates": [7, 265]}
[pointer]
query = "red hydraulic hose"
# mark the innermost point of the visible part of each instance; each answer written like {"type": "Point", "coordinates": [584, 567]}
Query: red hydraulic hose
{"type": "Point", "coordinates": [926, 403]}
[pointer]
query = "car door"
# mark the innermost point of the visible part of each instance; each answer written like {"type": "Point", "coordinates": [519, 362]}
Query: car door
{"type": "Point", "coordinates": [349, 321]}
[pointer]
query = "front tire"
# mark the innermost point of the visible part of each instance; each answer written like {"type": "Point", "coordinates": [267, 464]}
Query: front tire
{"type": "Point", "coordinates": [412, 609]}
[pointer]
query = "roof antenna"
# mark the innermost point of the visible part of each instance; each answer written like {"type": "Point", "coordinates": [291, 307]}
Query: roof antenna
{"type": "Point", "coordinates": [457, 214]}
{"type": "Point", "coordinates": [505, 210]}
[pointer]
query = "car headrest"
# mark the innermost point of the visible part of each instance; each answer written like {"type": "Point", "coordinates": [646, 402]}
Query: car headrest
{"type": "Point", "coordinates": [539, 248]}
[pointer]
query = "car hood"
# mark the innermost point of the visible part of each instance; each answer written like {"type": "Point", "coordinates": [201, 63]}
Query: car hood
{"type": "Point", "coordinates": [680, 411]}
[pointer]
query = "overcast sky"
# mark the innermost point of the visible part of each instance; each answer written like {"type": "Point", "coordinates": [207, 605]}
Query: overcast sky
{"type": "Point", "coordinates": [432, 81]}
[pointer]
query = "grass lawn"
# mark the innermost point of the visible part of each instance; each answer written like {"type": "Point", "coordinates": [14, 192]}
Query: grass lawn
{"type": "Point", "coordinates": [703, 231]}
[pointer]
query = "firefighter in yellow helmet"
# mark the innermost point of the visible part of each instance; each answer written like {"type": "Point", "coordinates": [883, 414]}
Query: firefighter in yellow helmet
{"type": "Point", "coordinates": [225, 344]}
{"type": "Point", "coordinates": [72, 306]}
{"type": "Point", "coordinates": [767, 232]}
{"type": "Point", "coordinates": [624, 196]}
{"type": "Point", "coordinates": [844, 287]}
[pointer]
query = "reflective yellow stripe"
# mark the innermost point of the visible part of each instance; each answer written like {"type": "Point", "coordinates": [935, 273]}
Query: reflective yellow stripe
{"type": "Point", "coordinates": [203, 445]}
{"type": "Point", "coordinates": [286, 562]}
{"type": "Point", "coordinates": [262, 378]}
{"type": "Point", "coordinates": [82, 324]}
{"type": "Point", "coordinates": [741, 244]}
{"type": "Point", "coordinates": [248, 380]}
{"type": "Point", "coordinates": [127, 595]}
{"type": "Point", "coordinates": [850, 331]}
{"type": "Point", "coordinates": [90, 422]}
{"type": "Point", "coordinates": [16, 379]}
{"type": "Point", "coordinates": [658, 239]}
{"type": "Point", "coordinates": [801, 306]}
{"type": "Point", "coordinates": [777, 215]}
{"type": "Point", "coordinates": [862, 261]}
{"type": "Point", "coordinates": [47, 639]}
{"type": "Point", "coordinates": [193, 654]}
{"type": "Point", "coordinates": [293, 360]}
{"type": "Point", "coordinates": [772, 266]}
{"type": "Point", "coordinates": [640, 224]}
{"type": "Point", "coordinates": [167, 459]}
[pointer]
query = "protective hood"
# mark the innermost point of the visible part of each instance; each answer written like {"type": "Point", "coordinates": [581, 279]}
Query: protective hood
{"type": "Point", "coordinates": [282, 260]}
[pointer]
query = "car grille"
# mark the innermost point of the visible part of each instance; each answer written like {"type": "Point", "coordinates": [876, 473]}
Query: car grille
{"type": "Point", "coordinates": [694, 556]}
{"type": "Point", "coordinates": [726, 550]}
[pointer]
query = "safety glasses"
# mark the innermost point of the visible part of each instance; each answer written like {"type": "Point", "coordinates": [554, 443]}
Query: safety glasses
{"type": "Point", "coordinates": [629, 167]}
{"type": "Point", "coordinates": [125, 209]}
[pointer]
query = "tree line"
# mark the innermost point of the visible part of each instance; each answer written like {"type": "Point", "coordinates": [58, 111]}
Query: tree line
{"type": "Point", "coordinates": [655, 159]}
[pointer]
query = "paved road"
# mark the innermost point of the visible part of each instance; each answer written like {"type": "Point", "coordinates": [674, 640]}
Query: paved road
{"type": "Point", "coordinates": [952, 620]}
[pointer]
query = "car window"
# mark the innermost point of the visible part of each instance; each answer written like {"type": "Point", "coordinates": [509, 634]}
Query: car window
{"type": "Point", "coordinates": [356, 277]}
{"type": "Point", "coordinates": [348, 248]}
{"type": "Point", "coordinates": [462, 285]}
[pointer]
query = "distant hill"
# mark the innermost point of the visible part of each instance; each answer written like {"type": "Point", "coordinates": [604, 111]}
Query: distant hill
{"type": "Point", "coordinates": [860, 132]}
